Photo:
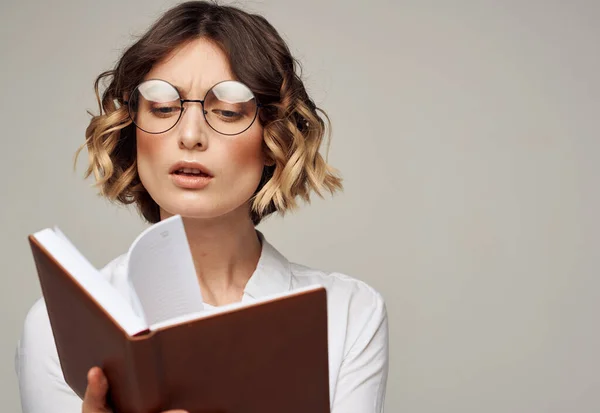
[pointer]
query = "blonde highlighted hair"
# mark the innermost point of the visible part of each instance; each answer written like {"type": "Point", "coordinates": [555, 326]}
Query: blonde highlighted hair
{"type": "Point", "coordinates": [293, 126]}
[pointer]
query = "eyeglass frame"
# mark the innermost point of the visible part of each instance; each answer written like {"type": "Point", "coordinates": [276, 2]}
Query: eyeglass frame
{"type": "Point", "coordinates": [182, 101]}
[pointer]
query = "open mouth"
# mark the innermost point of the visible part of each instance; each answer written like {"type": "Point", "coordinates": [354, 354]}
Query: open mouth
{"type": "Point", "coordinates": [190, 172]}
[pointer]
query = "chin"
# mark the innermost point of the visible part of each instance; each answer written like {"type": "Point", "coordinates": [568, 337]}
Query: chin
{"type": "Point", "coordinates": [202, 204]}
{"type": "Point", "coordinates": [200, 210]}
{"type": "Point", "coordinates": [192, 211]}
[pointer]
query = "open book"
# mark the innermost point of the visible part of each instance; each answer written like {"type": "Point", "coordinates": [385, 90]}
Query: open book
{"type": "Point", "coordinates": [161, 349]}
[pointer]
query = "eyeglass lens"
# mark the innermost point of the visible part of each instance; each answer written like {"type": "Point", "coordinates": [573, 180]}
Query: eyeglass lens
{"type": "Point", "coordinates": [229, 107]}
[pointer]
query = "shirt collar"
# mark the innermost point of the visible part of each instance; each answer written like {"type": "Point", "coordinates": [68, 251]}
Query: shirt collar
{"type": "Point", "coordinates": [272, 274]}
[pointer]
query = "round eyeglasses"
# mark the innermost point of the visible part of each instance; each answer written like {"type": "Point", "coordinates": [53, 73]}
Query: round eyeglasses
{"type": "Point", "coordinates": [229, 107]}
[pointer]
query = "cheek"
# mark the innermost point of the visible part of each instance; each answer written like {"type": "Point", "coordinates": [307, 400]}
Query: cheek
{"type": "Point", "coordinates": [154, 149]}
{"type": "Point", "coordinates": [150, 157]}
{"type": "Point", "coordinates": [247, 151]}
{"type": "Point", "coordinates": [147, 146]}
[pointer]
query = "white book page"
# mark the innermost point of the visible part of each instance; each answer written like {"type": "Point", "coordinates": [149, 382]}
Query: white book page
{"type": "Point", "coordinates": [162, 273]}
{"type": "Point", "coordinates": [230, 307]}
{"type": "Point", "coordinates": [90, 279]}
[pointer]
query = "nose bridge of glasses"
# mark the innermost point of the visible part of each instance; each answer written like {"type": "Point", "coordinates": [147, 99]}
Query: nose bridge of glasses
{"type": "Point", "coordinates": [184, 101]}
{"type": "Point", "coordinates": [192, 101]}
{"type": "Point", "coordinates": [194, 117]}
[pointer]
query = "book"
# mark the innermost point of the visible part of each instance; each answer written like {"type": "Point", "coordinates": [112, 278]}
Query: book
{"type": "Point", "coordinates": [161, 349]}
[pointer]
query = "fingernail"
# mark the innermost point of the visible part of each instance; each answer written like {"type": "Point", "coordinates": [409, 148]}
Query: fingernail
{"type": "Point", "coordinates": [93, 373]}
{"type": "Point", "coordinates": [90, 375]}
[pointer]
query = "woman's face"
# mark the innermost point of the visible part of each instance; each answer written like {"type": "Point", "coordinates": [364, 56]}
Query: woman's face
{"type": "Point", "coordinates": [234, 163]}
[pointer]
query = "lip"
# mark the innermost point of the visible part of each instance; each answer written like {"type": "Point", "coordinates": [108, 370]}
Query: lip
{"type": "Point", "coordinates": [190, 182]}
{"type": "Point", "coordinates": [190, 164]}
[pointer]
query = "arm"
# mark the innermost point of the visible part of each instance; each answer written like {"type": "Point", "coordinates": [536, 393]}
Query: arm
{"type": "Point", "coordinates": [41, 383]}
{"type": "Point", "coordinates": [363, 374]}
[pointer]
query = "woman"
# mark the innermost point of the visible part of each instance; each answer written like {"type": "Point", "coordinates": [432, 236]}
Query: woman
{"type": "Point", "coordinates": [205, 116]}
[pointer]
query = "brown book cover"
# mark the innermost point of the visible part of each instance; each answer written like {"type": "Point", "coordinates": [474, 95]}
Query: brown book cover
{"type": "Point", "coordinates": [264, 357]}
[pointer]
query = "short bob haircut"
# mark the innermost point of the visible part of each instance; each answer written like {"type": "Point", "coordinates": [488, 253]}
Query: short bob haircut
{"type": "Point", "coordinates": [259, 57]}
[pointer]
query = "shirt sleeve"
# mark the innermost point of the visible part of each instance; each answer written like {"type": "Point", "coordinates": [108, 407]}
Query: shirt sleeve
{"type": "Point", "coordinates": [41, 383]}
{"type": "Point", "coordinates": [362, 379]}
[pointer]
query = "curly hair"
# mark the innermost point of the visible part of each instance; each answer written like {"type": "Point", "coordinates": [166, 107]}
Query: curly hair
{"type": "Point", "coordinates": [293, 128]}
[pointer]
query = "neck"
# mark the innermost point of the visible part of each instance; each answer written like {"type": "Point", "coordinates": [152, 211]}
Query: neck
{"type": "Point", "coordinates": [225, 251]}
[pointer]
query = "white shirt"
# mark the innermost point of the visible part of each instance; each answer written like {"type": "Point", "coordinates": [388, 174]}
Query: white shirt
{"type": "Point", "coordinates": [357, 334]}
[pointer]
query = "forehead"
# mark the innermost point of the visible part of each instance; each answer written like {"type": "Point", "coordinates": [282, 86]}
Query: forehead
{"type": "Point", "coordinates": [193, 67]}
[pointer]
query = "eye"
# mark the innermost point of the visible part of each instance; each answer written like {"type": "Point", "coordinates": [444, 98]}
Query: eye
{"type": "Point", "coordinates": [227, 115]}
{"type": "Point", "coordinates": [164, 110]}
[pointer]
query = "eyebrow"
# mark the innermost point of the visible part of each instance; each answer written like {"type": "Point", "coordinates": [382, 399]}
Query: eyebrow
{"type": "Point", "coordinates": [183, 95]}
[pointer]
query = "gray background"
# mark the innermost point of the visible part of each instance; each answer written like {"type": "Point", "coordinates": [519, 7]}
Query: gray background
{"type": "Point", "coordinates": [467, 135]}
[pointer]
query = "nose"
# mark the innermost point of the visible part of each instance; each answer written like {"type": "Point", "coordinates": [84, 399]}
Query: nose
{"type": "Point", "coordinates": [193, 129]}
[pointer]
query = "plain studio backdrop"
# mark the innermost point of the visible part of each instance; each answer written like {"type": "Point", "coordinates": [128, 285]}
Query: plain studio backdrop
{"type": "Point", "coordinates": [467, 135]}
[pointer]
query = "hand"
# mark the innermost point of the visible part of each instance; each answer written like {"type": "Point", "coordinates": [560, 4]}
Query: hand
{"type": "Point", "coordinates": [94, 400]}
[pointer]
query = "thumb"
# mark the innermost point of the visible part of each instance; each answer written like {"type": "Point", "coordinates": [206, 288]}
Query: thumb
{"type": "Point", "coordinates": [94, 400]}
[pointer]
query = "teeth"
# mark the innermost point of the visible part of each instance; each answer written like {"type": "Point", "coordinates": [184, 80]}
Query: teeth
{"type": "Point", "coordinates": [189, 170]}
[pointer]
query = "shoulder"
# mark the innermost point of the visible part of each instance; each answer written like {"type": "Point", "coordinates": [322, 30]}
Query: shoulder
{"type": "Point", "coordinates": [36, 328]}
{"type": "Point", "coordinates": [338, 285]}
{"type": "Point", "coordinates": [356, 310]}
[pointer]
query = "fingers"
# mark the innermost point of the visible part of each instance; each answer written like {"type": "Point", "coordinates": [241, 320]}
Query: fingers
{"type": "Point", "coordinates": [94, 400]}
